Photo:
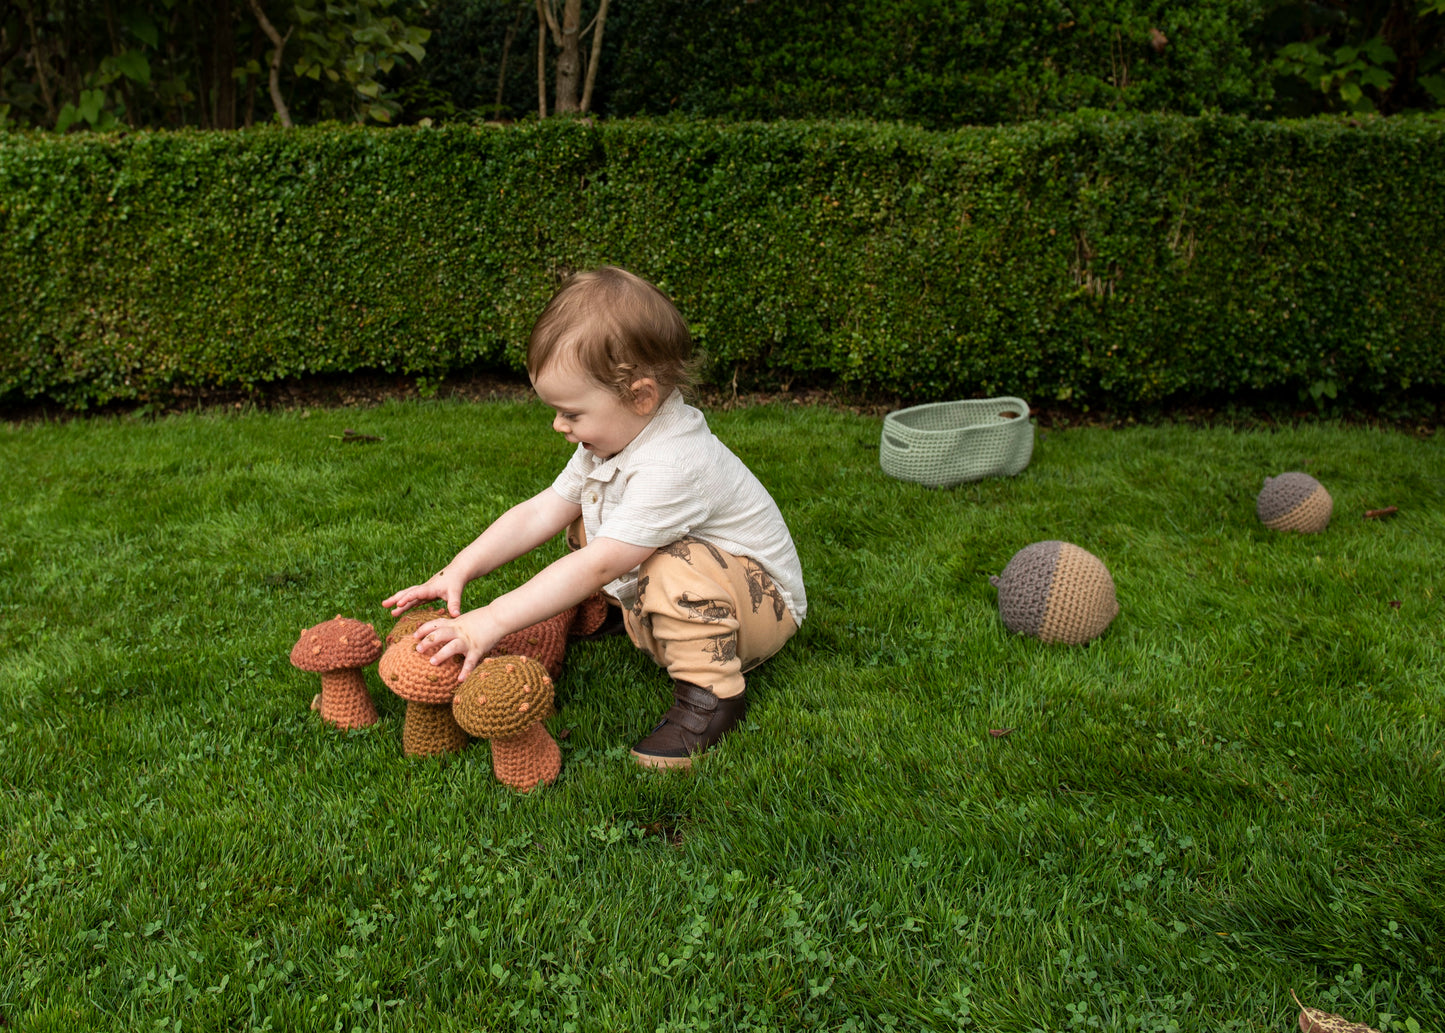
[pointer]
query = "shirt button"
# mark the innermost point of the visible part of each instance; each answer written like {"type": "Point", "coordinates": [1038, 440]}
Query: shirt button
{"type": "Point", "coordinates": [594, 497]}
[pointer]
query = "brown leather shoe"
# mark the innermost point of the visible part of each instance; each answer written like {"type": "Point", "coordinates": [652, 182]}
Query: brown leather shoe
{"type": "Point", "coordinates": [696, 720]}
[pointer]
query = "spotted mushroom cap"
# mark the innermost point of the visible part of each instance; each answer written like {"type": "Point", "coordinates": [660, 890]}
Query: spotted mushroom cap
{"type": "Point", "coordinates": [411, 620]}
{"type": "Point", "coordinates": [503, 696]}
{"type": "Point", "coordinates": [336, 645]}
{"type": "Point", "coordinates": [414, 677]}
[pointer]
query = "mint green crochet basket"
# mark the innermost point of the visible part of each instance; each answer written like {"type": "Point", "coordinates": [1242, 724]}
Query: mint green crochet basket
{"type": "Point", "coordinates": [948, 443]}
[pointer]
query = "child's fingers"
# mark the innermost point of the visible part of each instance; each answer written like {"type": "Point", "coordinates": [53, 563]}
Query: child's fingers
{"type": "Point", "coordinates": [439, 651]}
{"type": "Point", "coordinates": [403, 600]}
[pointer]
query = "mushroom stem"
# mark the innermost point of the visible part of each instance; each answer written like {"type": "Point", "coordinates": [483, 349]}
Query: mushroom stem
{"type": "Point", "coordinates": [430, 729]}
{"type": "Point", "coordinates": [345, 702]}
{"type": "Point", "coordinates": [527, 758]}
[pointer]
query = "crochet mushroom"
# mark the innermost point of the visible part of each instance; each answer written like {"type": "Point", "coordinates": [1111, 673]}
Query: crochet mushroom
{"type": "Point", "coordinates": [506, 699]}
{"type": "Point", "coordinates": [545, 641]}
{"type": "Point", "coordinates": [411, 620]}
{"type": "Point", "coordinates": [428, 728]}
{"type": "Point", "coordinates": [338, 649]}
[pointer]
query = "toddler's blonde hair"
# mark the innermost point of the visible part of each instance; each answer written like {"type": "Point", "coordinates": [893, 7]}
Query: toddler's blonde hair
{"type": "Point", "coordinates": [616, 328]}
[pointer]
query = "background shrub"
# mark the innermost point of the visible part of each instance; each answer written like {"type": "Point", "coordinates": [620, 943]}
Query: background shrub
{"type": "Point", "coordinates": [938, 63]}
{"type": "Point", "coordinates": [1097, 259]}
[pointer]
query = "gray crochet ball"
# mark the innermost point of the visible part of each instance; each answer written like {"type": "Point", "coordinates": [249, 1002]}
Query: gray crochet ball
{"type": "Point", "coordinates": [1294, 502]}
{"type": "Point", "coordinates": [1056, 592]}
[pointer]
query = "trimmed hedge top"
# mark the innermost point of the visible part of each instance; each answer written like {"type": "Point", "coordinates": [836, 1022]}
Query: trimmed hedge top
{"type": "Point", "coordinates": [1104, 260]}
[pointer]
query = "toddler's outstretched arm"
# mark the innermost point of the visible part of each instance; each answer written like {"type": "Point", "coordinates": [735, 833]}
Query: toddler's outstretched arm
{"type": "Point", "coordinates": [562, 583]}
{"type": "Point", "coordinates": [519, 530]}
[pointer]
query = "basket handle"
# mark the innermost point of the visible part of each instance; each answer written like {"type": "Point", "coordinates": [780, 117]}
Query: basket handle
{"type": "Point", "coordinates": [902, 446]}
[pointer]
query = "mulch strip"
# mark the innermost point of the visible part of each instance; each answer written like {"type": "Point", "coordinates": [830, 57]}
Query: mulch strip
{"type": "Point", "coordinates": [366, 390]}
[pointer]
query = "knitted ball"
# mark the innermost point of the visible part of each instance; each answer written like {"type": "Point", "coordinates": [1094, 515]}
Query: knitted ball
{"type": "Point", "coordinates": [1056, 592]}
{"type": "Point", "coordinates": [502, 696]}
{"type": "Point", "coordinates": [1294, 502]}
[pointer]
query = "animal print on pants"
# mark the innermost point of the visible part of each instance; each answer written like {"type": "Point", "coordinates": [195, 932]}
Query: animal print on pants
{"type": "Point", "coordinates": [706, 615]}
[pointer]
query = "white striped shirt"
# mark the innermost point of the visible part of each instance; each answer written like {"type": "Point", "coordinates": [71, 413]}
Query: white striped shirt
{"type": "Point", "coordinates": [674, 479]}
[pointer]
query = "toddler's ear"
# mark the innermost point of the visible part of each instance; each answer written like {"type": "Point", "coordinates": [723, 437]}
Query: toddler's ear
{"type": "Point", "coordinates": [645, 396]}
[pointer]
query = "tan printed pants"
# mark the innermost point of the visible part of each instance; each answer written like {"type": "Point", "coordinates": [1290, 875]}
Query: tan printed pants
{"type": "Point", "coordinates": [705, 615]}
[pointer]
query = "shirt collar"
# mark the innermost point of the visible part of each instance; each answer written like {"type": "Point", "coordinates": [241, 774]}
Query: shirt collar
{"type": "Point", "coordinates": [667, 413]}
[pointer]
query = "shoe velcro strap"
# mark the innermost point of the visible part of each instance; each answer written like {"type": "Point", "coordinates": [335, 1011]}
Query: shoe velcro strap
{"type": "Point", "coordinates": [686, 717]}
{"type": "Point", "coordinates": [694, 696]}
{"type": "Point", "coordinates": [693, 709]}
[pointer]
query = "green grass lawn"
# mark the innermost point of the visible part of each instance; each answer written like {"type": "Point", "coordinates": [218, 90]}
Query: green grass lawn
{"type": "Point", "coordinates": [1235, 792]}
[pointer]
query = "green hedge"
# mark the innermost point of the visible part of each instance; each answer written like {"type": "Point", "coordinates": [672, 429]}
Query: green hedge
{"type": "Point", "coordinates": [1103, 260]}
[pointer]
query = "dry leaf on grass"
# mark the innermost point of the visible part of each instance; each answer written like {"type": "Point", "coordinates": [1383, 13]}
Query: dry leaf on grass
{"type": "Point", "coordinates": [1312, 1020]}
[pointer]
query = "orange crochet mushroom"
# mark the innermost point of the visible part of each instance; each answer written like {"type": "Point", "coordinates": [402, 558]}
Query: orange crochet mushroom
{"type": "Point", "coordinates": [506, 699]}
{"type": "Point", "coordinates": [338, 649]}
{"type": "Point", "coordinates": [428, 728]}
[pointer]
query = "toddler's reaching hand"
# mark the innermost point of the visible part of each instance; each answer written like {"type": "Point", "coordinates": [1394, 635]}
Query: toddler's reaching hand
{"type": "Point", "coordinates": [441, 585]}
{"type": "Point", "coordinates": [471, 637]}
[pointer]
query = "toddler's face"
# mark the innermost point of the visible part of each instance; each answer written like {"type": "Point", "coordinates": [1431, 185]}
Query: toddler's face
{"type": "Point", "coordinates": [588, 413]}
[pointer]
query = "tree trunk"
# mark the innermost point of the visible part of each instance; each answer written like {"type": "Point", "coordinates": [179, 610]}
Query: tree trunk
{"type": "Point", "coordinates": [258, 46]}
{"type": "Point", "coordinates": [506, 54]}
{"type": "Point", "coordinates": [41, 59]}
{"type": "Point", "coordinates": [279, 42]}
{"type": "Point", "coordinates": [224, 63]}
{"type": "Point", "coordinates": [205, 84]}
{"type": "Point", "coordinates": [542, 22]}
{"type": "Point", "coordinates": [596, 57]}
{"type": "Point", "coordinates": [569, 62]}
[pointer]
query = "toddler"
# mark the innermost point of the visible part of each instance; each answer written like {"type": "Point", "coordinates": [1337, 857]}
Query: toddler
{"type": "Point", "coordinates": [659, 515]}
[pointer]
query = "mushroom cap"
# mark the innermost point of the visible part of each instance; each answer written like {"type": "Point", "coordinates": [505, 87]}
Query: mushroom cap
{"type": "Point", "coordinates": [503, 696]}
{"type": "Point", "coordinates": [414, 677]}
{"type": "Point", "coordinates": [336, 645]}
{"type": "Point", "coordinates": [410, 621]}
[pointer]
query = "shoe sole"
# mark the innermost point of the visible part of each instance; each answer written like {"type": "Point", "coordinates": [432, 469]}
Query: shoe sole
{"type": "Point", "coordinates": [647, 760]}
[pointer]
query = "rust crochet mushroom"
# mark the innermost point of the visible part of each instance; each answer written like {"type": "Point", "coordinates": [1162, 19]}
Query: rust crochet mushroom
{"type": "Point", "coordinates": [545, 641]}
{"type": "Point", "coordinates": [428, 728]}
{"type": "Point", "coordinates": [338, 649]}
{"type": "Point", "coordinates": [506, 699]}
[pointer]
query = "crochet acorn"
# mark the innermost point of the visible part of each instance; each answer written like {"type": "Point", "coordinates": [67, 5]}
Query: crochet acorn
{"type": "Point", "coordinates": [506, 699]}
{"type": "Point", "coordinates": [1294, 502]}
{"type": "Point", "coordinates": [1056, 592]}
